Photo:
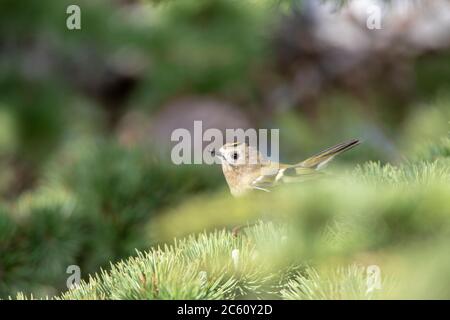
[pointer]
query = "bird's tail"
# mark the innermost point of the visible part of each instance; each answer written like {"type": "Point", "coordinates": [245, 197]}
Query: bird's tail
{"type": "Point", "coordinates": [322, 158]}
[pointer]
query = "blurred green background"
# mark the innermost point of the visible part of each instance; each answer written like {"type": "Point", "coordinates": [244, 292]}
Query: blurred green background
{"type": "Point", "coordinates": [86, 117]}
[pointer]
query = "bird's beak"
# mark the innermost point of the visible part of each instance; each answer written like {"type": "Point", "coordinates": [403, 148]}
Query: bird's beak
{"type": "Point", "coordinates": [217, 153]}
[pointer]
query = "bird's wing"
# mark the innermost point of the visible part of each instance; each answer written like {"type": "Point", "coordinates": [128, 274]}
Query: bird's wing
{"type": "Point", "coordinates": [297, 173]}
{"type": "Point", "coordinates": [275, 173]}
{"type": "Point", "coordinates": [282, 174]}
{"type": "Point", "coordinates": [264, 182]}
{"type": "Point", "coordinates": [322, 158]}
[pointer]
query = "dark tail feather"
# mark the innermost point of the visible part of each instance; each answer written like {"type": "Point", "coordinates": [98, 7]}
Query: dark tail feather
{"type": "Point", "coordinates": [320, 159]}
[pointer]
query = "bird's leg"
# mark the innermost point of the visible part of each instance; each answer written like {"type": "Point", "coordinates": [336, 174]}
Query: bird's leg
{"type": "Point", "coordinates": [235, 230]}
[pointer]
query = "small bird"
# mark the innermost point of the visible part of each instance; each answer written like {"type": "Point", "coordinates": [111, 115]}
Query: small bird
{"type": "Point", "coordinates": [246, 169]}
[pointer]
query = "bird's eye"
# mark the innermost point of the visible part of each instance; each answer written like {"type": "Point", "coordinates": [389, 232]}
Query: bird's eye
{"type": "Point", "coordinates": [235, 155]}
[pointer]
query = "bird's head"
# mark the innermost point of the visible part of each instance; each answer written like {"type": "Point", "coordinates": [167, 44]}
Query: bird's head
{"type": "Point", "coordinates": [239, 154]}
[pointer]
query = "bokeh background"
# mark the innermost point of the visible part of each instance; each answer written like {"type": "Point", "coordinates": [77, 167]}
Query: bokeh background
{"type": "Point", "coordinates": [86, 115]}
